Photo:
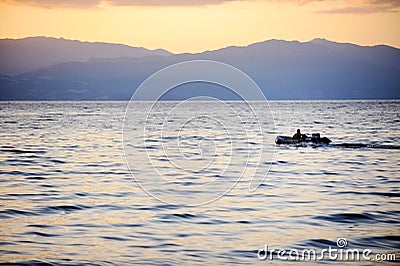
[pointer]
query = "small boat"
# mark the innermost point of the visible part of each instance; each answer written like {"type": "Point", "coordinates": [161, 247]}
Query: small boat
{"type": "Point", "coordinates": [315, 138]}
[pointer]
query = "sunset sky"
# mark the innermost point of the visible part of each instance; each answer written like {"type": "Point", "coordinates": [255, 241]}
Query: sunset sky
{"type": "Point", "coordinates": [198, 25]}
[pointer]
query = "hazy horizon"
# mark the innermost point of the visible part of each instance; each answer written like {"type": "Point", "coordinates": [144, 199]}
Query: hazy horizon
{"type": "Point", "coordinates": [195, 26]}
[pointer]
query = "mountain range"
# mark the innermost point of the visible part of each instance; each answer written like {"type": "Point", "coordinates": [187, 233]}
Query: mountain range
{"type": "Point", "coordinates": [42, 68]}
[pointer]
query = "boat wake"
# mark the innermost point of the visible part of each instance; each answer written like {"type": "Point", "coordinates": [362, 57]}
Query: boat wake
{"type": "Point", "coordinates": [344, 145]}
{"type": "Point", "coordinates": [363, 145]}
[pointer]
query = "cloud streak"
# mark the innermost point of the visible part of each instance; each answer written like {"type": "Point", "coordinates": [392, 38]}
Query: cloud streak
{"type": "Point", "coordinates": [343, 7]}
{"type": "Point", "coordinates": [96, 3]}
{"type": "Point", "coordinates": [54, 3]}
{"type": "Point", "coordinates": [167, 3]}
{"type": "Point", "coordinates": [366, 7]}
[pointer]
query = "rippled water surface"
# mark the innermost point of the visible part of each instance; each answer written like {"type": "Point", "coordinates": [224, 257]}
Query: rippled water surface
{"type": "Point", "coordinates": [67, 196]}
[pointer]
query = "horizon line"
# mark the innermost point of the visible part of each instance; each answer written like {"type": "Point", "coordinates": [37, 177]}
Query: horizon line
{"type": "Point", "coordinates": [223, 100]}
{"type": "Point", "coordinates": [203, 51]}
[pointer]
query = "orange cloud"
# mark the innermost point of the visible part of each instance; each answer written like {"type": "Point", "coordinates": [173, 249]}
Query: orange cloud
{"type": "Point", "coordinates": [366, 7]}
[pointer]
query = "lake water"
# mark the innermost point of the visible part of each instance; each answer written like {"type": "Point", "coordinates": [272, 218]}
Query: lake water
{"type": "Point", "coordinates": [68, 197]}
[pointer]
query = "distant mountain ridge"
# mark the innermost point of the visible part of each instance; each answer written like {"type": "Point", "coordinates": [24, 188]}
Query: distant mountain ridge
{"type": "Point", "coordinates": [318, 69]}
{"type": "Point", "coordinates": [22, 55]}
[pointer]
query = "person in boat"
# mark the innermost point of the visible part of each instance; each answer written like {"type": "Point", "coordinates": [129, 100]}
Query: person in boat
{"type": "Point", "coordinates": [298, 135]}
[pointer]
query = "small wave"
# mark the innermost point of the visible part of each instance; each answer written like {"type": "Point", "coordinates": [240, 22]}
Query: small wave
{"type": "Point", "coordinates": [10, 213]}
{"type": "Point", "coordinates": [35, 263]}
{"type": "Point", "coordinates": [37, 233]}
{"type": "Point", "coordinates": [115, 238]}
{"type": "Point", "coordinates": [319, 242]}
{"type": "Point", "coordinates": [57, 161]}
{"type": "Point", "coordinates": [36, 178]}
{"type": "Point", "coordinates": [384, 194]}
{"type": "Point", "coordinates": [243, 253]}
{"type": "Point", "coordinates": [21, 173]}
{"type": "Point", "coordinates": [348, 218]}
{"type": "Point", "coordinates": [383, 242]}
{"type": "Point", "coordinates": [62, 208]}
{"type": "Point", "coordinates": [20, 151]}
{"type": "Point", "coordinates": [184, 215]}
{"type": "Point", "coordinates": [175, 216]}
{"type": "Point", "coordinates": [44, 226]}
{"type": "Point", "coordinates": [128, 225]}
